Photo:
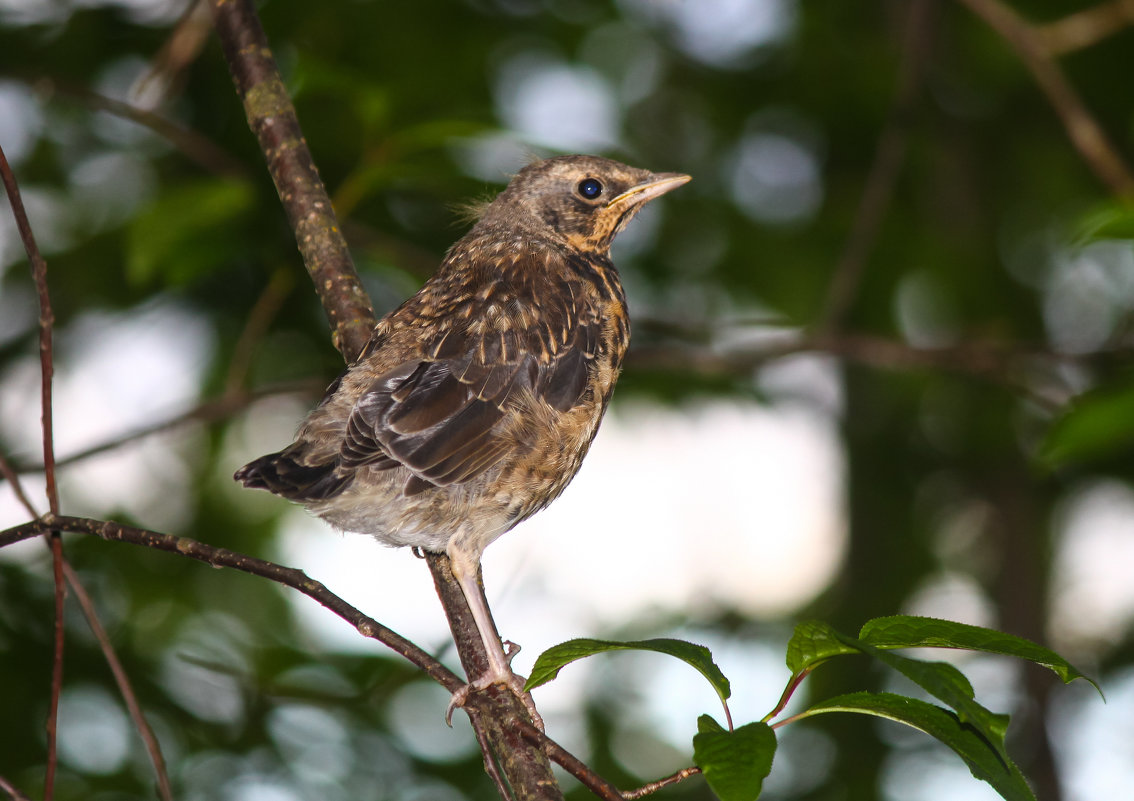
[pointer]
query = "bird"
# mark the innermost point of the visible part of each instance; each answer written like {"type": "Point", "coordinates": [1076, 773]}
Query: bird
{"type": "Point", "coordinates": [474, 402]}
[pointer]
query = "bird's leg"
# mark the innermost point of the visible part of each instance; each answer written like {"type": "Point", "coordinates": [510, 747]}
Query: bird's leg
{"type": "Point", "coordinates": [465, 569]}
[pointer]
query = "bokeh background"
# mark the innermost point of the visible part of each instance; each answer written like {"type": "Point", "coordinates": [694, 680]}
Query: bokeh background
{"type": "Point", "coordinates": [881, 364]}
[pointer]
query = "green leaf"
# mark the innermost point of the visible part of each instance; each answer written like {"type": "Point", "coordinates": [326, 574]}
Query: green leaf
{"type": "Point", "coordinates": [181, 235]}
{"type": "Point", "coordinates": [984, 760]}
{"type": "Point", "coordinates": [549, 663]}
{"type": "Point", "coordinates": [946, 683]}
{"type": "Point", "coordinates": [1098, 424]}
{"type": "Point", "coordinates": [907, 631]}
{"type": "Point", "coordinates": [814, 642]}
{"type": "Point", "coordinates": [736, 762]}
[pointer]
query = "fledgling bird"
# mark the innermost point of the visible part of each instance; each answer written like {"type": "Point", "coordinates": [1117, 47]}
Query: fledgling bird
{"type": "Point", "coordinates": [475, 401]}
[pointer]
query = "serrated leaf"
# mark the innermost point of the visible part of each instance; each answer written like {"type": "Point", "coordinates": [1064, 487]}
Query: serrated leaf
{"type": "Point", "coordinates": [1098, 424]}
{"type": "Point", "coordinates": [908, 631]}
{"type": "Point", "coordinates": [947, 684]}
{"type": "Point", "coordinates": [812, 642]}
{"type": "Point", "coordinates": [734, 763]}
{"type": "Point", "coordinates": [549, 663]}
{"type": "Point", "coordinates": [985, 762]}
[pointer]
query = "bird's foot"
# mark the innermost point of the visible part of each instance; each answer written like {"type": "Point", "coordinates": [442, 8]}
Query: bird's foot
{"type": "Point", "coordinates": [510, 680]}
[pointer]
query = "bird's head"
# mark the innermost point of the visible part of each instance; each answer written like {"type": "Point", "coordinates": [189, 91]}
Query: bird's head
{"type": "Point", "coordinates": [584, 199]}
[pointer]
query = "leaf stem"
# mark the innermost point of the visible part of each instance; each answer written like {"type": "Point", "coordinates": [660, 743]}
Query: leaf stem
{"type": "Point", "coordinates": [789, 690]}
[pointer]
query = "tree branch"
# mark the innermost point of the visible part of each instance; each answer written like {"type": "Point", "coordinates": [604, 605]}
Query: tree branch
{"type": "Point", "coordinates": [501, 713]}
{"type": "Point", "coordinates": [591, 780]}
{"type": "Point", "coordinates": [1082, 29]}
{"type": "Point", "coordinates": [571, 763]}
{"type": "Point", "coordinates": [122, 679]}
{"type": "Point", "coordinates": [10, 789]}
{"type": "Point", "coordinates": [653, 787]}
{"type": "Point", "coordinates": [222, 557]}
{"type": "Point", "coordinates": [1084, 131]}
{"type": "Point", "coordinates": [47, 369]}
{"type": "Point", "coordinates": [206, 412]}
{"type": "Point", "coordinates": [207, 154]}
{"type": "Point", "coordinates": [12, 476]}
{"type": "Point", "coordinates": [999, 363]}
{"type": "Point", "coordinates": [265, 309]}
{"type": "Point", "coordinates": [271, 116]}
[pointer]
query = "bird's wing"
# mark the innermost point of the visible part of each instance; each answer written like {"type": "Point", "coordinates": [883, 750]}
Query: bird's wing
{"type": "Point", "coordinates": [441, 415]}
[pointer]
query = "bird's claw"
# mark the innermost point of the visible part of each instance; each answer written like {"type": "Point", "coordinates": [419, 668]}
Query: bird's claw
{"type": "Point", "coordinates": [510, 680]}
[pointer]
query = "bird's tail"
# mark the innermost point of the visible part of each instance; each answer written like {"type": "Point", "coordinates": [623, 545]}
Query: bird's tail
{"type": "Point", "coordinates": [284, 475]}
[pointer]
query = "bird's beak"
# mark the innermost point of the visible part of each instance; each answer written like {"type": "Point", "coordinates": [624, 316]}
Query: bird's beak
{"type": "Point", "coordinates": [658, 184]}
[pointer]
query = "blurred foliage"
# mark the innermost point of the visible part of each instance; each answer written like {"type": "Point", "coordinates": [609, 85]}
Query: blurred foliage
{"type": "Point", "coordinates": [998, 239]}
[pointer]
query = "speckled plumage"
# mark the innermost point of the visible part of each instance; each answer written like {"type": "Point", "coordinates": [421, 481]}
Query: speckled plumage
{"type": "Point", "coordinates": [475, 401]}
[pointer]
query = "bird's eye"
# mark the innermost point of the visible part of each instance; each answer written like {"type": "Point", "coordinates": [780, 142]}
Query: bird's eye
{"type": "Point", "coordinates": [590, 188]}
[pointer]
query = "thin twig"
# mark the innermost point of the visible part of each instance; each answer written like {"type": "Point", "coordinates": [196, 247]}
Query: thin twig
{"type": "Point", "coordinates": [122, 679]}
{"type": "Point", "coordinates": [47, 368]}
{"type": "Point", "coordinates": [196, 147]}
{"type": "Point", "coordinates": [653, 787]}
{"type": "Point", "coordinates": [997, 363]}
{"type": "Point", "coordinates": [209, 411]}
{"type": "Point", "coordinates": [46, 321]}
{"type": "Point", "coordinates": [265, 309]}
{"type": "Point", "coordinates": [889, 154]}
{"type": "Point", "coordinates": [187, 39]}
{"type": "Point", "coordinates": [570, 763]}
{"type": "Point", "coordinates": [10, 789]}
{"type": "Point", "coordinates": [222, 557]}
{"type": "Point", "coordinates": [487, 752]}
{"type": "Point", "coordinates": [1084, 131]}
{"type": "Point", "coordinates": [12, 476]}
{"type": "Point", "coordinates": [59, 639]}
{"type": "Point", "coordinates": [1082, 29]}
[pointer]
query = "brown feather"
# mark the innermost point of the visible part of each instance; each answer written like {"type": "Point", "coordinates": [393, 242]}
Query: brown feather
{"type": "Point", "coordinates": [476, 399]}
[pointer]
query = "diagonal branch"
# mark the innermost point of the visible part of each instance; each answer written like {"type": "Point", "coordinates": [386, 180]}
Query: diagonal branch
{"type": "Point", "coordinates": [122, 679]}
{"type": "Point", "coordinates": [190, 143]}
{"type": "Point", "coordinates": [587, 776]}
{"type": "Point", "coordinates": [1084, 131]}
{"type": "Point", "coordinates": [272, 118]}
{"type": "Point", "coordinates": [1081, 29]}
{"type": "Point", "coordinates": [206, 412]}
{"type": "Point", "coordinates": [571, 763]}
{"type": "Point", "coordinates": [222, 557]}
{"type": "Point", "coordinates": [11, 474]}
{"type": "Point", "coordinates": [11, 790]}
